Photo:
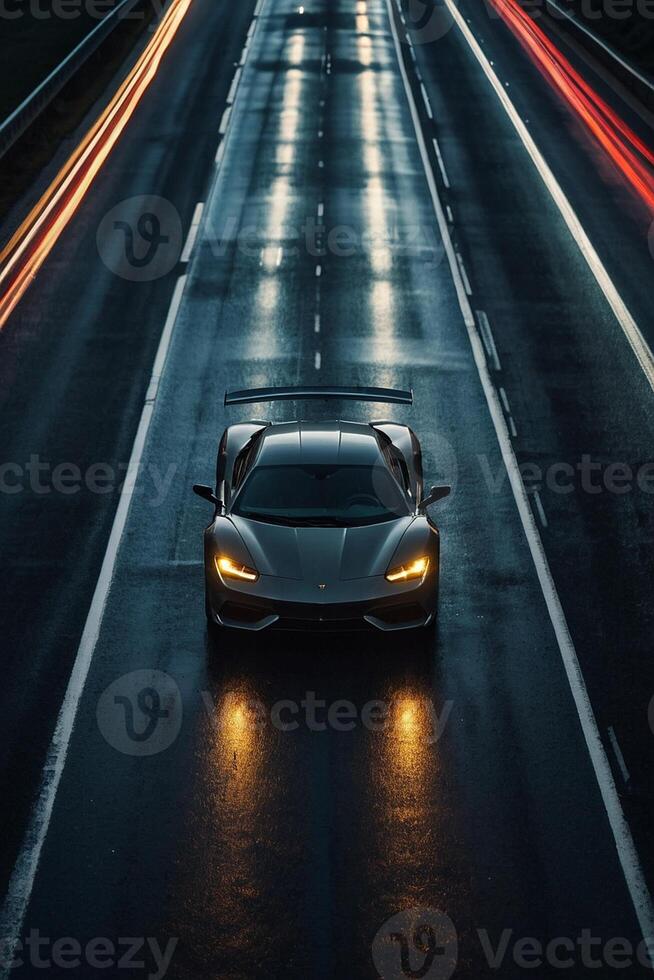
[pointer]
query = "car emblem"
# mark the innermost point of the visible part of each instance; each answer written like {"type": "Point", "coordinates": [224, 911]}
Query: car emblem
{"type": "Point", "coordinates": [322, 586]}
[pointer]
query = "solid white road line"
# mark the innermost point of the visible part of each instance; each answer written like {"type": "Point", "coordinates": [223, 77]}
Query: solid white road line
{"type": "Point", "coordinates": [24, 872]}
{"type": "Point", "coordinates": [541, 510]}
{"type": "Point", "coordinates": [231, 95]}
{"type": "Point", "coordinates": [464, 274]}
{"type": "Point", "coordinates": [618, 755]}
{"type": "Point", "coordinates": [625, 319]}
{"type": "Point", "coordinates": [622, 836]}
{"type": "Point", "coordinates": [441, 163]}
{"type": "Point", "coordinates": [23, 876]}
{"type": "Point", "coordinates": [225, 120]}
{"type": "Point", "coordinates": [425, 99]}
{"type": "Point", "coordinates": [488, 339]}
{"type": "Point", "coordinates": [192, 232]}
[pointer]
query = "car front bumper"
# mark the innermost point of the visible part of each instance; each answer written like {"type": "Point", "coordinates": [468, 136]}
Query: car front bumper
{"type": "Point", "coordinates": [366, 604]}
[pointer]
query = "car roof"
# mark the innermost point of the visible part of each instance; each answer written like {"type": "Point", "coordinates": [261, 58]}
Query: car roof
{"type": "Point", "coordinates": [329, 443]}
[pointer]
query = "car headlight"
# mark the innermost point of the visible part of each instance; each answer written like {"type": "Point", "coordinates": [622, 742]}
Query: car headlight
{"type": "Point", "coordinates": [227, 568]}
{"type": "Point", "coordinates": [407, 573]}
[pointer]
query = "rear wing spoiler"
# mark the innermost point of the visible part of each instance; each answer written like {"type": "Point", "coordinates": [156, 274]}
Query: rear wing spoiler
{"type": "Point", "coordinates": [248, 396]}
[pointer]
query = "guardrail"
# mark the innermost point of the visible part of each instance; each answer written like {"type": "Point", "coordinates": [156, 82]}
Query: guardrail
{"type": "Point", "coordinates": [21, 118]}
{"type": "Point", "coordinates": [640, 84]}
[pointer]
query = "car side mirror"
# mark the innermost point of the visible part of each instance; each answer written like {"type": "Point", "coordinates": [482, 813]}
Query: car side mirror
{"type": "Point", "coordinates": [435, 494]}
{"type": "Point", "coordinates": [206, 493]}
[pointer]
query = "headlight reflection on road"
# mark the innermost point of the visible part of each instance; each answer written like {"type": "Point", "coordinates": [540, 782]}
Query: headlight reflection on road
{"type": "Point", "coordinates": [405, 766]}
{"type": "Point", "coordinates": [405, 755]}
{"type": "Point", "coordinates": [221, 875]}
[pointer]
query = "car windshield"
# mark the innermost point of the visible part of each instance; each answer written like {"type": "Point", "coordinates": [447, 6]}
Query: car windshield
{"type": "Point", "coordinates": [321, 496]}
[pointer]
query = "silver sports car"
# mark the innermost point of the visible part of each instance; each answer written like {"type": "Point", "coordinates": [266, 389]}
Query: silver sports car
{"type": "Point", "coordinates": [320, 525]}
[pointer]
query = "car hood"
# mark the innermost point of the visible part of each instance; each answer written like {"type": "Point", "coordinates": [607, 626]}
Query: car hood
{"type": "Point", "coordinates": [321, 554]}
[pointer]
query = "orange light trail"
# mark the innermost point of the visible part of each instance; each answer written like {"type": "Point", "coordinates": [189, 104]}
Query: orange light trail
{"type": "Point", "coordinates": [627, 151]}
{"type": "Point", "coordinates": [25, 253]}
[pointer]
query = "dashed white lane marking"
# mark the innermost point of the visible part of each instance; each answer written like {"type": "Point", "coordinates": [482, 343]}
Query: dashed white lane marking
{"type": "Point", "coordinates": [464, 275]}
{"type": "Point", "coordinates": [321, 209]}
{"type": "Point", "coordinates": [316, 323]}
{"type": "Point", "coordinates": [231, 95]}
{"type": "Point", "coordinates": [450, 216]}
{"type": "Point", "coordinates": [624, 841]}
{"type": "Point", "coordinates": [509, 416]}
{"type": "Point", "coordinates": [280, 256]}
{"type": "Point", "coordinates": [220, 152]}
{"type": "Point", "coordinates": [317, 360]}
{"type": "Point", "coordinates": [441, 163]}
{"type": "Point", "coordinates": [192, 232]}
{"type": "Point", "coordinates": [21, 883]}
{"type": "Point", "coordinates": [321, 163]}
{"type": "Point", "coordinates": [617, 751]}
{"type": "Point", "coordinates": [488, 339]}
{"type": "Point", "coordinates": [425, 99]}
{"type": "Point", "coordinates": [629, 326]}
{"type": "Point", "coordinates": [225, 120]}
{"type": "Point", "coordinates": [320, 134]}
{"type": "Point", "coordinates": [541, 510]}
{"type": "Point", "coordinates": [318, 271]}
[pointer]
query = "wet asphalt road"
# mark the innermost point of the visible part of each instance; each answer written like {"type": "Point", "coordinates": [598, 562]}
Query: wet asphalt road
{"type": "Point", "coordinates": [269, 852]}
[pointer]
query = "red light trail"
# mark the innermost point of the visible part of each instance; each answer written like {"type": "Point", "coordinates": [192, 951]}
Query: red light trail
{"type": "Point", "coordinates": [31, 244]}
{"type": "Point", "coordinates": [627, 151]}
